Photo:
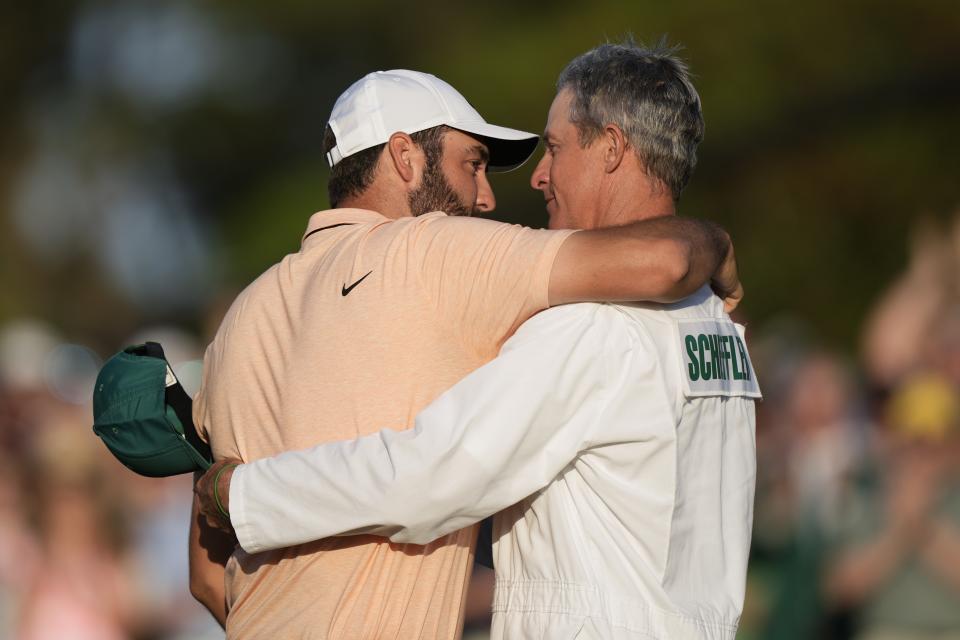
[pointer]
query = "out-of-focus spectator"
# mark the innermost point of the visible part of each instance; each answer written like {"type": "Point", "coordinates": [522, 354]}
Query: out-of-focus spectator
{"type": "Point", "coordinates": [811, 443]}
{"type": "Point", "coordinates": [942, 348]}
{"type": "Point", "coordinates": [79, 589]}
{"type": "Point", "coordinates": [107, 558]}
{"type": "Point", "coordinates": [827, 438]}
{"type": "Point", "coordinates": [18, 551]}
{"type": "Point", "coordinates": [87, 548]}
{"type": "Point", "coordinates": [898, 328]}
{"type": "Point", "coordinates": [897, 553]}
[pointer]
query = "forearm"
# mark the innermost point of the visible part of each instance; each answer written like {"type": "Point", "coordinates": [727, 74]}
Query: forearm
{"type": "Point", "coordinates": [856, 573]}
{"type": "Point", "coordinates": [208, 553]}
{"type": "Point", "coordinates": [659, 260]}
{"type": "Point", "coordinates": [212, 598]}
{"type": "Point", "coordinates": [375, 485]}
{"type": "Point", "coordinates": [705, 256]}
{"type": "Point", "coordinates": [499, 435]}
{"type": "Point", "coordinates": [452, 470]}
{"type": "Point", "coordinates": [941, 554]}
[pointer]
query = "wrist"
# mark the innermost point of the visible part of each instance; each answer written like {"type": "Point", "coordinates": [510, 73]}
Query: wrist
{"type": "Point", "coordinates": [221, 489]}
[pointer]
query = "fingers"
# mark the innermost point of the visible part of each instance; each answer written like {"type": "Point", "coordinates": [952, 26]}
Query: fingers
{"type": "Point", "coordinates": [732, 300]}
{"type": "Point", "coordinates": [726, 282]}
{"type": "Point", "coordinates": [730, 292]}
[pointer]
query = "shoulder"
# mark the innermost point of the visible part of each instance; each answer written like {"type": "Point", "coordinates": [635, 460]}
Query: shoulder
{"type": "Point", "coordinates": [702, 305]}
{"type": "Point", "coordinates": [436, 235]}
{"type": "Point", "coordinates": [579, 325]}
{"type": "Point", "coordinates": [581, 313]}
{"type": "Point", "coordinates": [471, 230]}
{"type": "Point", "coordinates": [439, 222]}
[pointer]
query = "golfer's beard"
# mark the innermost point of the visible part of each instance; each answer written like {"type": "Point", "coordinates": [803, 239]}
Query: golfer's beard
{"type": "Point", "coordinates": [436, 194]}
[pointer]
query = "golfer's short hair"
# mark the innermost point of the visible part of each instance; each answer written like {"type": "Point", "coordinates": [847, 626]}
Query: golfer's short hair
{"type": "Point", "coordinates": [648, 94]}
{"type": "Point", "coordinates": [352, 175]}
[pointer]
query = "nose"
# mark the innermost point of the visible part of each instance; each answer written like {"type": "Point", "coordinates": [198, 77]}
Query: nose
{"type": "Point", "coordinates": [540, 179]}
{"type": "Point", "coordinates": [486, 201]}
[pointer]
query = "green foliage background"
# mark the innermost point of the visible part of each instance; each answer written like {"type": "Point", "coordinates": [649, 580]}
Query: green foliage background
{"type": "Point", "coordinates": [832, 127]}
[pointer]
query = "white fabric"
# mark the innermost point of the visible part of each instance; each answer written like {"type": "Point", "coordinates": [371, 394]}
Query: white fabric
{"type": "Point", "coordinates": [634, 500]}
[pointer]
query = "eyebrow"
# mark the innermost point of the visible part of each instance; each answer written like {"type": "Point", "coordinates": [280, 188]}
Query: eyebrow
{"type": "Point", "coordinates": [482, 151]}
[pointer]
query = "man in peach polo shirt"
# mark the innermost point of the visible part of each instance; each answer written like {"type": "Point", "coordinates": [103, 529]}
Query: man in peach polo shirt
{"type": "Point", "coordinates": [613, 442]}
{"type": "Point", "coordinates": [385, 306]}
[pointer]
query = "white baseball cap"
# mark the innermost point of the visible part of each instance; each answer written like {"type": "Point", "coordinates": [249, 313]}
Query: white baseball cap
{"type": "Point", "coordinates": [385, 102]}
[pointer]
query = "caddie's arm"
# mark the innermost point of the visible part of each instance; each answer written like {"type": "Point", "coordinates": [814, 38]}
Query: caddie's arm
{"type": "Point", "coordinates": [660, 260]}
{"type": "Point", "coordinates": [497, 436]}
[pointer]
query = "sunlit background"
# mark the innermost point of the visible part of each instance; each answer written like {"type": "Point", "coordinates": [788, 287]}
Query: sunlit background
{"type": "Point", "coordinates": [156, 156]}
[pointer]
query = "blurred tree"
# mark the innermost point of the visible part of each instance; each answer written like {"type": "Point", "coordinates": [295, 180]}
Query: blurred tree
{"type": "Point", "coordinates": [830, 126]}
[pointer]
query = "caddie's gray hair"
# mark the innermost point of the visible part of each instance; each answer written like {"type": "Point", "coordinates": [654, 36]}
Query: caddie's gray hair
{"type": "Point", "coordinates": [648, 94]}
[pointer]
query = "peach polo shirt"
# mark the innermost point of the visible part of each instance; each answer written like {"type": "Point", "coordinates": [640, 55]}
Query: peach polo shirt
{"type": "Point", "coordinates": [362, 328]}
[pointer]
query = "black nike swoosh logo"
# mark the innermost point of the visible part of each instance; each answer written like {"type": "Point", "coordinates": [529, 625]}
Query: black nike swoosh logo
{"type": "Point", "coordinates": [345, 290]}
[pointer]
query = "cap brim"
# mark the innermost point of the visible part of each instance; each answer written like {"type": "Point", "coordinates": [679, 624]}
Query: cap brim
{"type": "Point", "coordinates": [509, 148]}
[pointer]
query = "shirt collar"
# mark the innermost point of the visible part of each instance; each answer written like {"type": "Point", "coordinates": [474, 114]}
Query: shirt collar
{"type": "Point", "coordinates": [331, 217]}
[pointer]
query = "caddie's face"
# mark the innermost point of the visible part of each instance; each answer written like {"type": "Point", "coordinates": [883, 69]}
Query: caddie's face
{"type": "Point", "coordinates": [568, 175]}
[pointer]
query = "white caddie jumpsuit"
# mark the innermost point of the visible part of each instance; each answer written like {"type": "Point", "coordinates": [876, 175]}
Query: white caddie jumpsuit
{"type": "Point", "coordinates": [617, 443]}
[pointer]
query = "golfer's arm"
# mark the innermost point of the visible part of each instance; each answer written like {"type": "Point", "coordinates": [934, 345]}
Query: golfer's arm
{"type": "Point", "coordinates": [659, 260]}
{"type": "Point", "coordinates": [499, 435]}
{"type": "Point", "coordinates": [209, 551]}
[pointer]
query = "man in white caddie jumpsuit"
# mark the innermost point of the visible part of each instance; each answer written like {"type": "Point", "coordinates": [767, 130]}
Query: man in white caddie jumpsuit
{"type": "Point", "coordinates": [615, 443]}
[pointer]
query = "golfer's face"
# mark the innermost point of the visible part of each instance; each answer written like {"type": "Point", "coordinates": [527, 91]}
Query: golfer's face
{"type": "Point", "coordinates": [567, 174]}
{"type": "Point", "coordinates": [464, 165]}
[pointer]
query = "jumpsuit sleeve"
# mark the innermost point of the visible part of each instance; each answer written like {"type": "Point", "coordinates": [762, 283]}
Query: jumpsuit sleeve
{"type": "Point", "coordinates": [499, 435]}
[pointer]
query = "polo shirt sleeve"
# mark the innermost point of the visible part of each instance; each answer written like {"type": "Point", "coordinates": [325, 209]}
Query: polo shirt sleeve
{"type": "Point", "coordinates": [199, 406]}
{"type": "Point", "coordinates": [499, 435]}
{"type": "Point", "coordinates": [483, 278]}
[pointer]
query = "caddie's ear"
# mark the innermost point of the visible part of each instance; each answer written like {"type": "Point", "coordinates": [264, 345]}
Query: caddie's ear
{"type": "Point", "coordinates": [405, 156]}
{"type": "Point", "coordinates": [614, 147]}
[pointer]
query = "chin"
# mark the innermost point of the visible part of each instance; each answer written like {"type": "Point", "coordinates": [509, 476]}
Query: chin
{"type": "Point", "coordinates": [556, 221]}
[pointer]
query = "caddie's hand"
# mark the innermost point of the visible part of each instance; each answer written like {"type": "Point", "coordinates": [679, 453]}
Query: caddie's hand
{"type": "Point", "coordinates": [726, 280]}
{"type": "Point", "coordinates": [213, 491]}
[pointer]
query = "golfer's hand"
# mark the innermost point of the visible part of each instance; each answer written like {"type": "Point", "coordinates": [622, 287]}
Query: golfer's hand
{"type": "Point", "coordinates": [222, 472]}
{"type": "Point", "coordinates": [726, 280]}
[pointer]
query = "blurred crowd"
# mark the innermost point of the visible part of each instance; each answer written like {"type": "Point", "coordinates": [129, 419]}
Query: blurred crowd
{"type": "Point", "coordinates": [88, 550]}
{"type": "Point", "coordinates": [857, 520]}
